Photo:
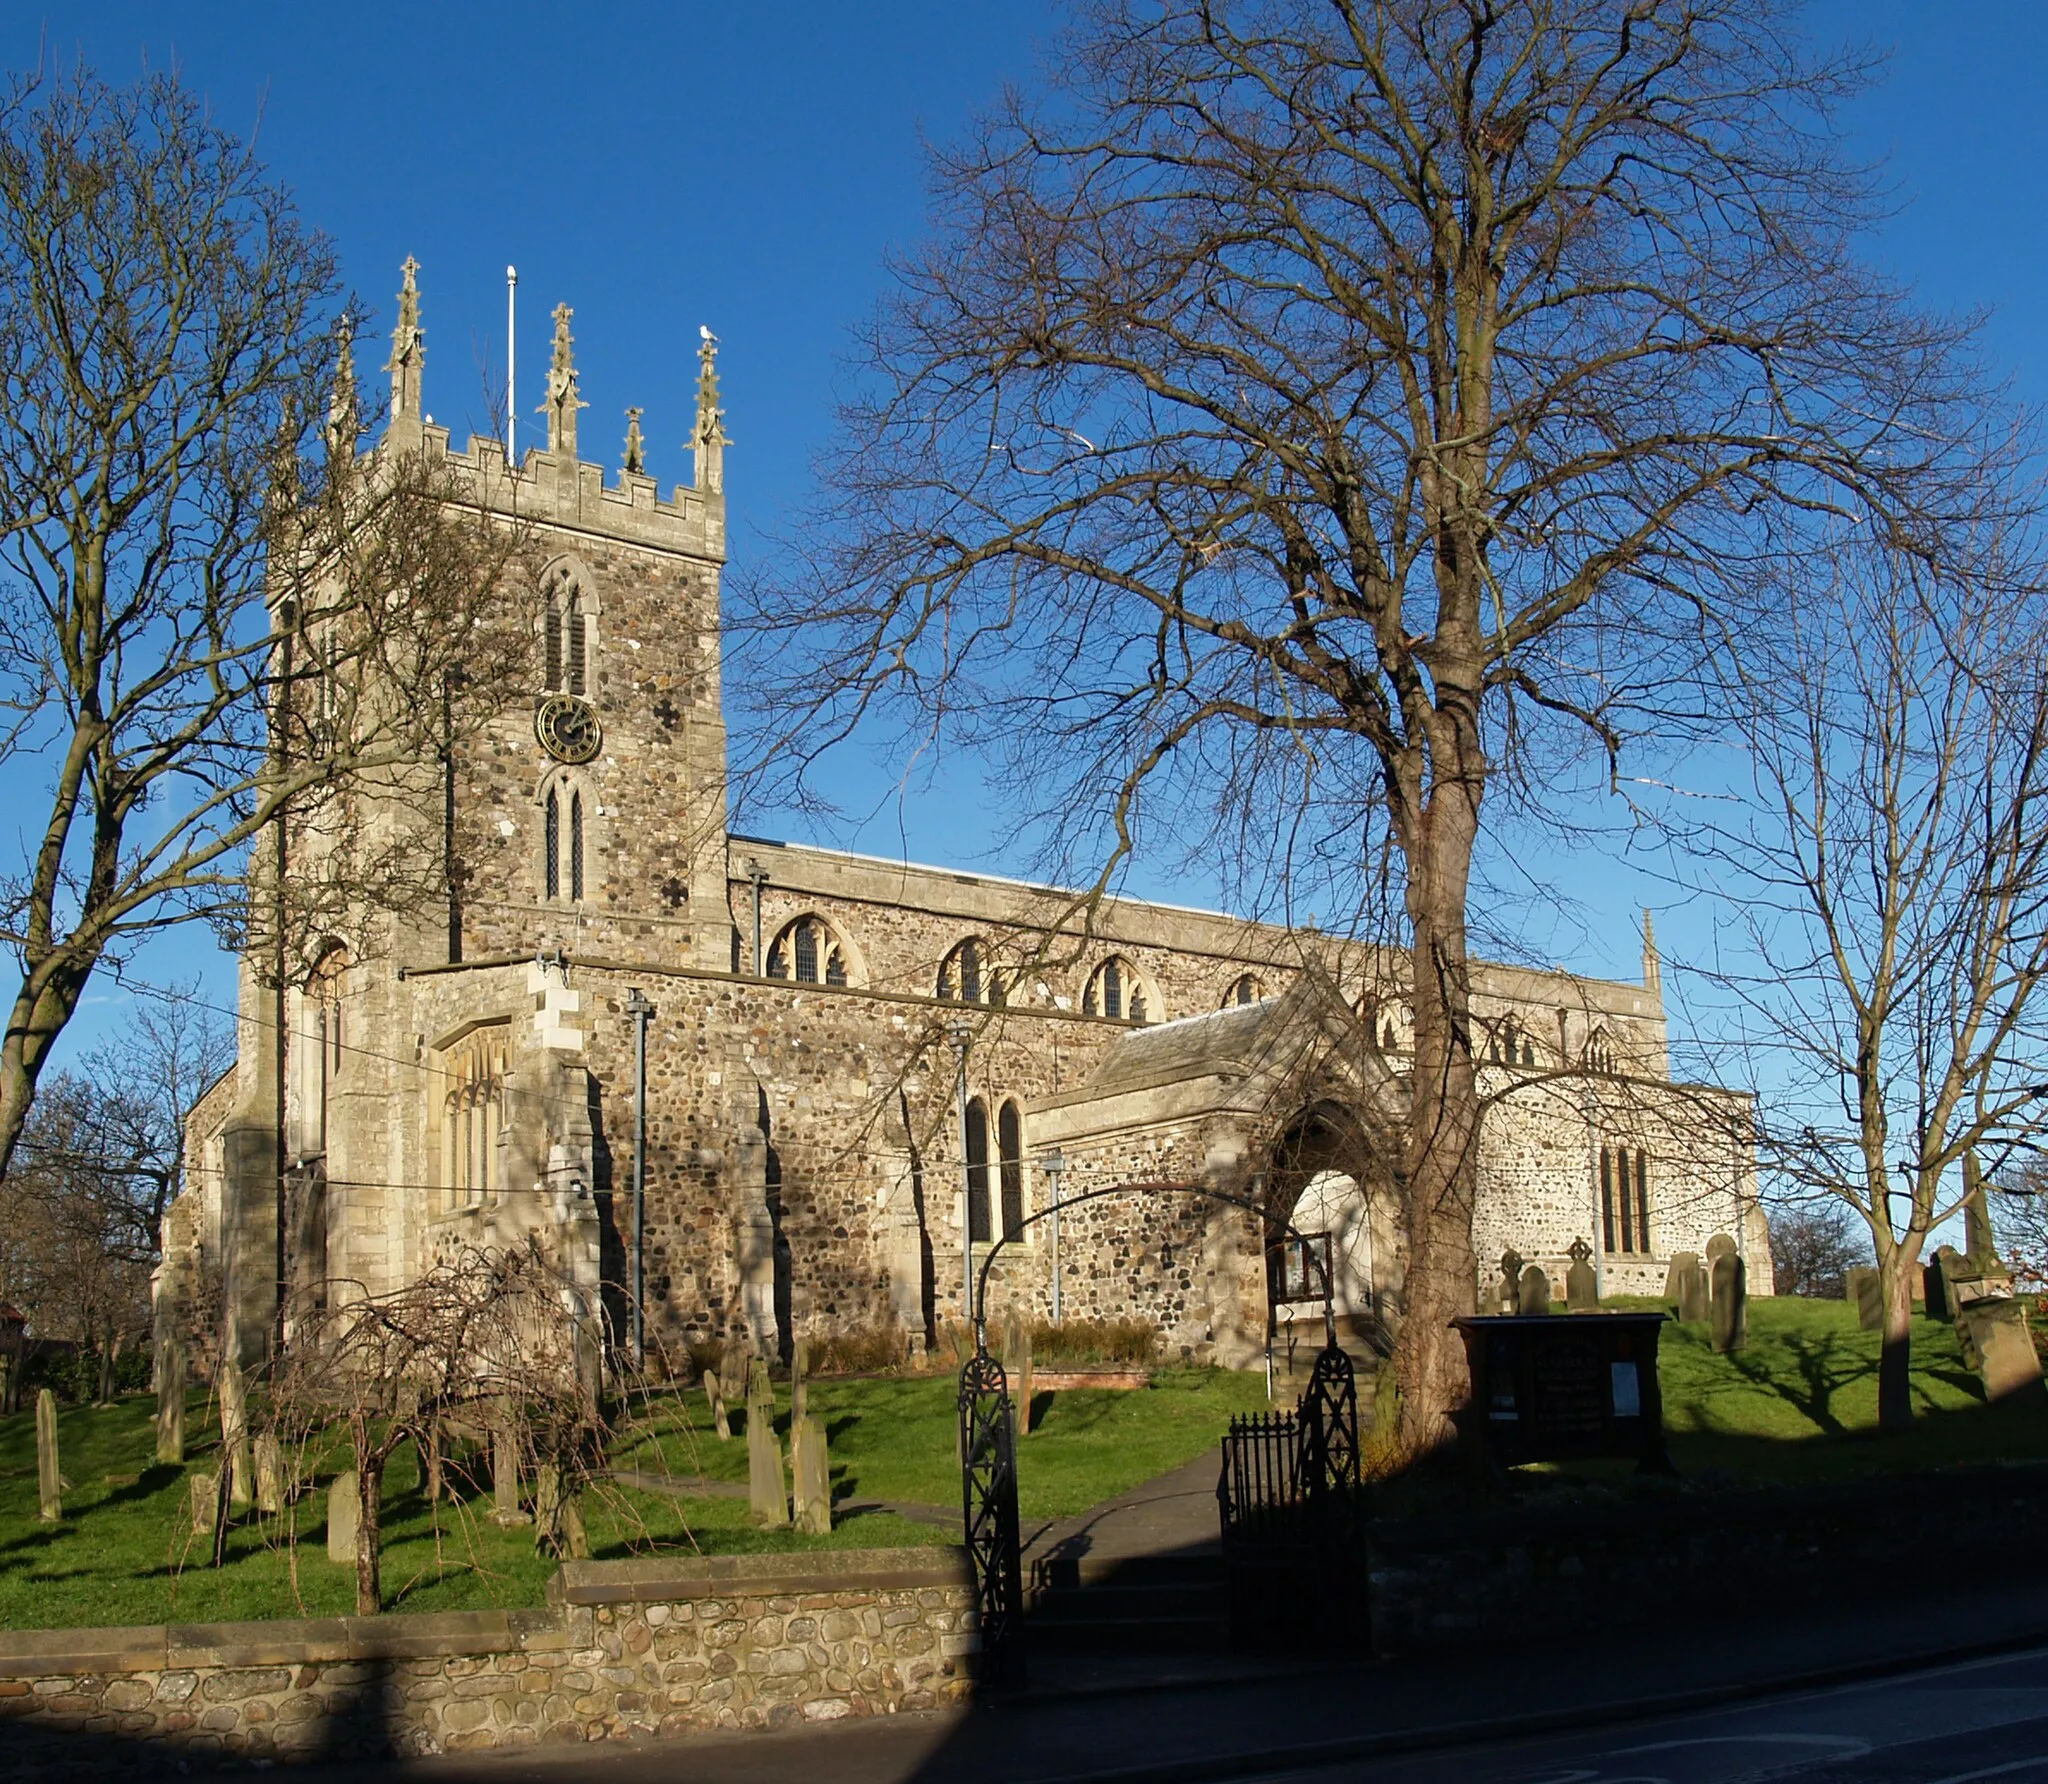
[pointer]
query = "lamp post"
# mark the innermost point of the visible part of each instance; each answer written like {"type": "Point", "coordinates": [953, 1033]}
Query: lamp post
{"type": "Point", "coordinates": [1052, 1164]}
{"type": "Point", "coordinates": [959, 1032]}
{"type": "Point", "coordinates": [639, 1009]}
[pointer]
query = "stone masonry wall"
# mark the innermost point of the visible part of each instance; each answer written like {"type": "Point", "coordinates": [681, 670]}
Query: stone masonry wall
{"type": "Point", "coordinates": [626, 1649]}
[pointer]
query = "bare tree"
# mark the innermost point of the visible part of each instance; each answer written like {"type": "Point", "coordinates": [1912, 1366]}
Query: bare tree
{"type": "Point", "coordinates": [484, 1340]}
{"type": "Point", "coordinates": [1814, 1247]}
{"type": "Point", "coordinates": [1887, 945]}
{"type": "Point", "coordinates": [213, 611]}
{"type": "Point", "coordinates": [1306, 419]}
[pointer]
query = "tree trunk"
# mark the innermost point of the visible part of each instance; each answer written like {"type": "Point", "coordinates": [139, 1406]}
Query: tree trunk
{"type": "Point", "coordinates": [1443, 1125]}
{"type": "Point", "coordinates": [369, 1577]}
{"type": "Point", "coordinates": [1895, 1269]}
{"type": "Point", "coordinates": [33, 1025]}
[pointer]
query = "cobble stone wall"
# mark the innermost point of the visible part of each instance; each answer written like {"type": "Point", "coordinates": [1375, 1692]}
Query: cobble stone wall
{"type": "Point", "coordinates": [627, 1648]}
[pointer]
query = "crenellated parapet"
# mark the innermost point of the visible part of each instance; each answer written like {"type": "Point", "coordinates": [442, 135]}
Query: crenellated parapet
{"type": "Point", "coordinates": [551, 485]}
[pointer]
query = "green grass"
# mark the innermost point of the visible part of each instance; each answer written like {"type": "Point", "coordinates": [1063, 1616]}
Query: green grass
{"type": "Point", "coordinates": [124, 1552]}
{"type": "Point", "coordinates": [1799, 1402]}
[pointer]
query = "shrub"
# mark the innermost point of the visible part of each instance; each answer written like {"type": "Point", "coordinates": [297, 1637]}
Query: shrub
{"type": "Point", "coordinates": [864, 1350]}
{"type": "Point", "coordinates": [1126, 1343]}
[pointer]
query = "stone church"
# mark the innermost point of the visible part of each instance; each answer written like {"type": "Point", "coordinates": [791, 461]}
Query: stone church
{"type": "Point", "coordinates": [750, 1091]}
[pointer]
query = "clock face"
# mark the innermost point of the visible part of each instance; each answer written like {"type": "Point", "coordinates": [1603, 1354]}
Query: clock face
{"type": "Point", "coordinates": [567, 728]}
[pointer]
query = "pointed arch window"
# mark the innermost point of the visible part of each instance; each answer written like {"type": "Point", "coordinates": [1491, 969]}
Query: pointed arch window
{"type": "Point", "coordinates": [977, 1171]}
{"type": "Point", "coordinates": [564, 853]}
{"type": "Point", "coordinates": [1244, 990]}
{"type": "Point", "coordinates": [473, 1116]}
{"type": "Point", "coordinates": [576, 846]}
{"type": "Point", "coordinates": [967, 976]}
{"type": "Point", "coordinates": [1010, 1159]}
{"type": "Point", "coordinates": [1600, 1052]}
{"type": "Point", "coordinates": [551, 845]}
{"type": "Point", "coordinates": [1510, 1044]}
{"type": "Point", "coordinates": [1115, 990]}
{"type": "Point", "coordinates": [565, 633]}
{"type": "Point", "coordinates": [1625, 1200]}
{"type": "Point", "coordinates": [807, 951]}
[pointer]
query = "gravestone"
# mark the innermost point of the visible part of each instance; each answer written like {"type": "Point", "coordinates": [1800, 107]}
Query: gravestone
{"type": "Point", "coordinates": [1581, 1284]}
{"type": "Point", "coordinates": [813, 1479]}
{"type": "Point", "coordinates": [234, 1433]}
{"type": "Point", "coordinates": [2002, 1350]}
{"type": "Point", "coordinates": [1674, 1277]}
{"type": "Point", "coordinates": [505, 1511]}
{"type": "Point", "coordinates": [799, 1384]}
{"type": "Point", "coordinates": [1535, 1290]}
{"type": "Point", "coordinates": [204, 1490]}
{"type": "Point", "coordinates": [547, 1507]}
{"type": "Point", "coordinates": [1731, 1303]}
{"type": "Point", "coordinates": [1937, 1277]}
{"type": "Point", "coordinates": [1720, 1246]}
{"type": "Point", "coordinates": [269, 1474]}
{"type": "Point", "coordinates": [766, 1491]}
{"type": "Point", "coordinates": [170, 1402]}
{"type": "Point", "coordinates": [1695, 1299]}
{"type": "Point", "coordinates": [49, 1480]}
{"type": "Point", "coordinates": [1017, 1367]}
{"type": "Point", "coordinates": [575, 1539]}
{"type": "Point", "coordinates": [1507, 1293]}
{"type": "Point", "coordinates": [1863, 1288]}
{"type": "Point", "coordinates": [715, 1396]}
{"type": "Point", "coordinates": [344, 1519]}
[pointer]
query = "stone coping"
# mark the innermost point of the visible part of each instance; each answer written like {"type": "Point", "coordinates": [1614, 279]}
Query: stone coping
{"type": "Point", "coordinates": [676, 1579]}
{"type": "Point", "coordinates": [303, 1641]}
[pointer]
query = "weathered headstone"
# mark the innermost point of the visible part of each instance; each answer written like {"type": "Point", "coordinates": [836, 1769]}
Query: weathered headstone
{"type": "Point", "coordinates": [766, 1491]}
{"type": "Point", "coordinates": [2003, 1348]}
{"type": "Point", "coordinates": [1674, 1276]}
{"type": "Point", "coordinates": [1731, 1303]}
{"type": "Point", "coordinates": [1507, 1293]}
{"type": "Point", "coordinates": [1581, 1284]}
{"type": "Point", "coordinates": [715, 1395]}
{"type": "Point", "coordinates": [269, 1474]}
{"type": "Point", "coordinates": [1937, 1276]}
{"type": "Point", "coordinates": [575, 1539]}
{"type": "Point", "coordinates": [49, 1479]}
{"type": "Point", "coordinates": [505, 1512]}
{"type": "Point", "coordinates": [1719, 1246]}
{"type": "Point", "coordinates": [1694, 1297]}
{"type": "Point", "coordinates": [170, 1402]}
{"type": "Point", "coordinates": [205, 1494]}
{"type": "Point", "coordinates": [1863, 1288]}
{"type": "Point", "coordinates": [799, 1386]}
{"type": "Point", "coordinates": [547, 1508]}
{"type": "Point", "coordinates": [234, 1433]}
{"type": "Point", "coordinates": [1535, 1290]}
{"type": "Point", "coordinates": [813, 1480]}
{"type": "Point", "coordinates": [344, 1519]}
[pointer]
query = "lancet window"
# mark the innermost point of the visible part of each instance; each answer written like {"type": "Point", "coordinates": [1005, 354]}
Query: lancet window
{"type": "Point", "coordinates": [1600, 1056]}
{"type": "Point", "coordinates": [565, 633]}
{"type": "Point", "coordinates": [977, 1171]}
{"type": "Point", "coordinates": [1245, 989]}
{"type": "Point", "coordinates": [1010, 1157]}
{"type": "Point", "coordinates": [563, 849]}
{"type": "Point", "coordinates": [807, 951]}
{"type": "Point", "coordinates": [1625, 1200]}
{"type": "Point", "coordinates": [1510, 1044]}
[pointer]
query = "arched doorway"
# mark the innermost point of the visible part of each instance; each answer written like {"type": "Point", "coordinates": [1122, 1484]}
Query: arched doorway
{"type": "Point", "coordinates": [1330, 1207]}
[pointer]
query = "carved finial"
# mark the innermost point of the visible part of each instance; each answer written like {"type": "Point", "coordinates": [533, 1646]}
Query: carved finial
{"type": "Point", "coordinates": [636, 451]}
{"type": "Point", "coordinates": [1653, 966]}
{"type": "Point", "coordinates": [709, 441]}
{"type": "Point", "coordinates": [562, 401]}
{"type": "Point", "coordinates": [344, 413]}
{"type": "Point", "coordinates": [408, 348]}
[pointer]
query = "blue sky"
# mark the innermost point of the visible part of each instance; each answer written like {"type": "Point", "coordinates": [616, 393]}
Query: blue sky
{"type": "Point", "coordinates": [658, 166]}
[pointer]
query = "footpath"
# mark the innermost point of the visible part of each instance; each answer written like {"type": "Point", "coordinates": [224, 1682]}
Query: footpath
{"type": "Point", "coordinates": [1150, 1694]}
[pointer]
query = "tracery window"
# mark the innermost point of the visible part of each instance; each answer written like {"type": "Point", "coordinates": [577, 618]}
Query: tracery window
{"type": "Point", "coordinates": [807, 951]}
{"type": "Point", "coordinates": [1625, 1200]}
{"type": "Point", "coordinates": [1245, 990]}
{"type": "Point", "coordinates": [565, 633]}
{"type": "Point", "coordinates": [472, 1115]}
{"type": "Point", "coordinates": [1115, 990]}
{"type": "Point", "coordinates": [966, 975]}
{"type": "Point", "coordinates": [1600, 1052]}
{"type": "Point", "coordinates": [1510, 1043]}
{"type": "Point", "coordinates": [1010, 1154]}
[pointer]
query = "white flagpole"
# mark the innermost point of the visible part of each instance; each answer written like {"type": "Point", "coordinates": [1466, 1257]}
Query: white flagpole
{"type": "Point", "coordinates": [511, 364]}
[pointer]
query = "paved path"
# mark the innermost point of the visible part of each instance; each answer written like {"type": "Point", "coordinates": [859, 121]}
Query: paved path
{"type": "Point", "coordinates": [1172, 1514]}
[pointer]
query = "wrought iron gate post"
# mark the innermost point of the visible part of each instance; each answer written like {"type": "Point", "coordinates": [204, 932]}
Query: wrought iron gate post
{"type": "Point", "coordinates": [988, 1471]}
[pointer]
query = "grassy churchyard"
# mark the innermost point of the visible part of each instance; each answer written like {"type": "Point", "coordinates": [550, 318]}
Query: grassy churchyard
{"type": "Point", "coordinates": [1798, 1404]}
{"type": "Point", "coordinates": [124, 1551]}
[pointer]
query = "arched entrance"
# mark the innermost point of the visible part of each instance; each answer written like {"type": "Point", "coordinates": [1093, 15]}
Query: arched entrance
{"type": "Point", "coordinates": [1330, 1207]}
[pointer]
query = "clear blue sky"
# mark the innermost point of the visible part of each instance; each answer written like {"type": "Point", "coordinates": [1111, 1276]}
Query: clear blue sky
{"type": "Point", "coordinates": [748, 166]}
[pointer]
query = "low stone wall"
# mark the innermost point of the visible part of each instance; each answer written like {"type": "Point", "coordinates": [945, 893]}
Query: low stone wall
{"type": "Point", "coordinates": [1533, 1572]}
{"type": "Point", "coordinates": [625, 1648]}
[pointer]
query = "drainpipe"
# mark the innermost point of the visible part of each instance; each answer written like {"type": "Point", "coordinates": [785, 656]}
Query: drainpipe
{"type": "Point", "coordinates": [759, 875]}
{"type": "Point", "coordinates": [1052, 1164]}
{"type": "Point", "coordinates": [639, 1009]}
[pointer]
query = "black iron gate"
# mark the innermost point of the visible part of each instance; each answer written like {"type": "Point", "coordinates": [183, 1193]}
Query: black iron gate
{"type": "Point", "coordinates": [988, 1457]}
{"type": "Point", "coordinates": [1293, 1514]}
